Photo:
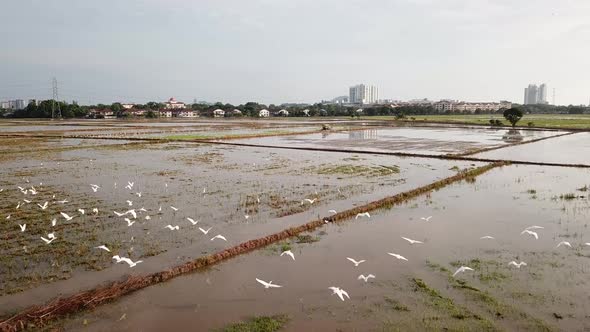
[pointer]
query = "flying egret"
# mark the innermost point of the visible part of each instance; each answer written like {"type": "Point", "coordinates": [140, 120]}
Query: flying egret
{"type": "Point", "coordinates": [462, 269]}
{"type": "Point", "coordinates": [81, 211]}
{"type": "Point", "coordinates": [129, 222]}
{"type": "Point", "coordinates": [412, 241]}
{"type": "Point", "coordinates": [192, 221]}
{"type": "Point", "coordinates": [426, 219]}
{"type": "Point", "coordinates": [130, 203]}
{"type": "Point", "coordinates": [356, 263]}
{"type": "Point", "coordinates": [173, 208]}
{"type": "Point", "coordinates": [148, 217]}
{"type": "Point", "coordinates": [138, 194]}
{"type": "Point", "coordinates": [535, 227]}
{"type": "Point", "coordinates": [53, 222]}
{"type": "Point", "coordinates": [117, 258]}
{"type": "Point", "coordinates": [564, 243]}
{"type": "Point", "coordinates": [47, 241]}
{"type": "Point", "coordinates": [332, 211]}
{"type": "Point", "coordinates": [143, 209]}
{"type": "Point", "coordinates": [205, 231]}
{"type": "Point", "coordinates": [170, 227]}
{"type": "Point", "coordinates": [18, 206]}
{"type": "Point", "coordinates": [487, 237]}
{"type": "Point", "coordinates": [95, 210]}
{"type": "Point", "coordinates": [518, 265]}
{"type": "Point", "coordinates": [340, 292]}
{"type": "Point", "coordinates": [288, 253]}
{"type": "Point", "coordinates": [526, 231]}
{"type": "Point", "coordinates": [130, 262]}
{"type": "Point", "coordinates": [365, 214]}
{"type": "Point", "coordinates": [219, 236]}
{"type": "Point", "coordinates": [63, 202]}
{"type": "Point", "coordinates": [44, 206]}
{"type": "Point", "coordinates": [119, 214]}
{"type": "Point", "coordinates": [365, 278]}
{"type": "Point", "coordinates": [132, 212]}
{"type": "Point", "coordinates": [310, 201]}
{"type": "Point", "coordinates": [68, 218]}
{"type": "Point", "coordinates": [400, 257]}
{"type": "Point", "coordinates": [268, 284]}
{"type": "Point", "coordinates": [27, 201]}
{"type": "Point", "coordinates": [103, 247]}
{"type": "Point", "coordinates": [94, 187]}
{"type": "Point", "coordinates": [23, 227]}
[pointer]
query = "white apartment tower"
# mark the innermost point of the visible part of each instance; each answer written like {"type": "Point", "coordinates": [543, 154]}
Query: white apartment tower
{"type": "Point", "coordinates": [534, 94]}
{"type": "Point", "coordinates": [363, 94]}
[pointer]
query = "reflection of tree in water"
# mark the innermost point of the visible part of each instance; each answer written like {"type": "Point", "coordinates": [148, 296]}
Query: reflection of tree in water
{"type": "Point", "coordinates": [512, 136]}
{"type": "Point", "coordinates": [362, 134]}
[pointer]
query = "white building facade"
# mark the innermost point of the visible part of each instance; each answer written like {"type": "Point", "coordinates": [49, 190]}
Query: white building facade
{"type": "Point", "coordinates": [363, 94]}
{"type": "Point", "coordinates": [173, 104]}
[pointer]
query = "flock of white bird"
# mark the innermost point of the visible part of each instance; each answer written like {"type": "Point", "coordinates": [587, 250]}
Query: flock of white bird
{"type": "Point", "coordinates": [342, 294]}
{"type": "Point", "coordinates": [131, 216]}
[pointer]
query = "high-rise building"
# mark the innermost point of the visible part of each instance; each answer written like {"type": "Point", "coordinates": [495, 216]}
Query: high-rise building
{"type": "Point", "coordinates": [534, 94]}
{"type": "Point", "coordinates": [542, 94]}
{"type": "Point", "coordinates": [363, 94]}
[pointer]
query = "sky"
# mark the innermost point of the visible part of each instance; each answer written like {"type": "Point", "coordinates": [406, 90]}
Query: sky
{"type": "Point", "coordinates": [278, 51]}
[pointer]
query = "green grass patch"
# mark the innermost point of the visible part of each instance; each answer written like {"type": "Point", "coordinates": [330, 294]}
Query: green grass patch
{"type": "Point", "coordinates": [259, 324]}
{"type": "Point", "coordinates": [358, 170]}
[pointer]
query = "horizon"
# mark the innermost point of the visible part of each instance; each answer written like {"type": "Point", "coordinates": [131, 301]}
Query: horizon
{"type": "Point", "coordinates": [275, 52]}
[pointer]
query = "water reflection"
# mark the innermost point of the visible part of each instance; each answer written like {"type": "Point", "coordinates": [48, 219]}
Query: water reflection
{"type": "Point", "coordinates": [512, 136]}
{"type": "Point", "coordinates": [362, 134]}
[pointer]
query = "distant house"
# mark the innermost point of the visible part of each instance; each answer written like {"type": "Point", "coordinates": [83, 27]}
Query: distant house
{"type": "Point", "coordinates": [134, 112]}
{"type": "Point", "coordinates": [173, 104]}
{"type": "Point", "coordinates": [165, 113]}
{"type": "Point", "coordinates": [236, 112]}
{"type": "Point", "coordinates": [283, 112]}
{"type": "Point", "coordinates": [185, 113]}
{"type": "Point", "coordinates": [105, 113]}
{"type": "Point", "coordinates": [218, 113]}
{"type": "Point", "coordinates": [264, 113]}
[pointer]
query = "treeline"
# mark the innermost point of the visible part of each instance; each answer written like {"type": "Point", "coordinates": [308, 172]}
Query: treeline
{"type": "Point", "coordinates": [252, 109]}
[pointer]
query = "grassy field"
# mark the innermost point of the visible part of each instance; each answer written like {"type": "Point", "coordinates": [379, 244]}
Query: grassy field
{"type": "Point", "coordinates": [577, 121]}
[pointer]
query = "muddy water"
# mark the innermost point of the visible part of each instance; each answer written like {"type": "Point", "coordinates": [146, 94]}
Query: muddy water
{"type": "Point", "coordinates": [500, 203]}
{"type": "Point", "coordinates": [417, 140]}
{"type": "Point", "coordinates": [173, 175]}
{"type": "Point", "coordinates": [571, 149]}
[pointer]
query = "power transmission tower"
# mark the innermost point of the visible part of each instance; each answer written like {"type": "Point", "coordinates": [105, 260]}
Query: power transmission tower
{"type": "Point", "coordinates": [55, 110]}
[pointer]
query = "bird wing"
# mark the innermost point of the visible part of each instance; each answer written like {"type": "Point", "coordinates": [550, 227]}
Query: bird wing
{"type": "Point", "coordinates": [262, 282]}
{"type": "Point", "coordinates": [339, 293]}
{"type": "Point", "coordinates": [352, 260]}
{"type": "Point", "coordinates": [345, 293]}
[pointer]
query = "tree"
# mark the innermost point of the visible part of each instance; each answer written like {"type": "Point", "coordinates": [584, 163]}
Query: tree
{"type": "Point", "coordinates": [151, 114]}
{"type": "Point", "coordinates": [513, 115]}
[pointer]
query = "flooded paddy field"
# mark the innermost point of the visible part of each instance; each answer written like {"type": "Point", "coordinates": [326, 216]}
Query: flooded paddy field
{"type": "Point", "coordinates": [550, 292]}
{"type": "Point", "coordinates": [164, 203]}
{"type": "Point", "coordinates": [421, 140]}
{"type": "Point", "coordinates": [571, 149]}
{"type": "Point", "coordinates": [241, 193]}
